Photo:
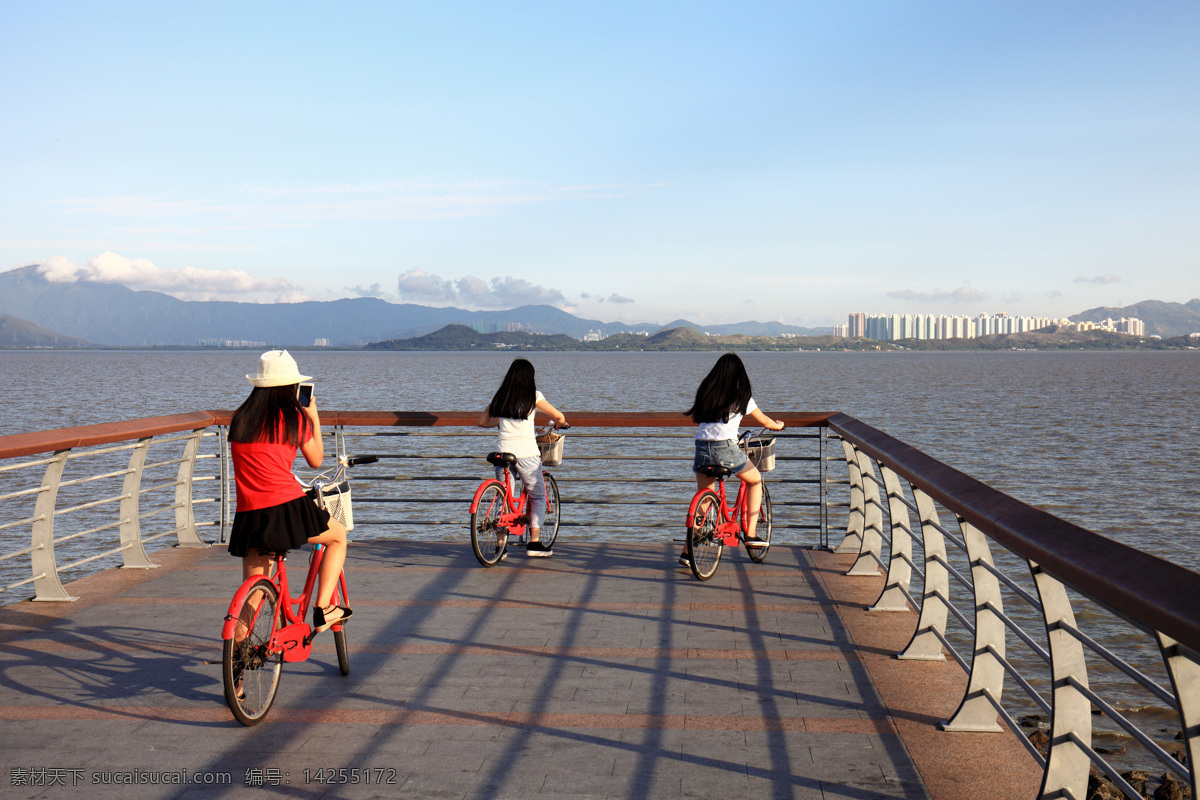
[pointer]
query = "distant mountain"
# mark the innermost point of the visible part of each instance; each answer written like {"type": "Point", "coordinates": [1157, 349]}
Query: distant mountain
{"type": "Point", "coordinates": [774, 329]}
{"type": "Point", "coordinates": [111, 314]}
{"type": "Point", "coordinates": [460, 337]}
{"type": "Point", "coordinates": [1165, 319]}
{"type": "Point", "coordinates": [23, 333]}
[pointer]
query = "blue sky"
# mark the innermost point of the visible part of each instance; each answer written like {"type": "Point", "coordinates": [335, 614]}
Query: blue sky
{"type": "Point", "coordinates": [636, 161]}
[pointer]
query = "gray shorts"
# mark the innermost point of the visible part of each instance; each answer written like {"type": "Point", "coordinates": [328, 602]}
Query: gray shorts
{"type": "Point", "coordinates": [529, 470]}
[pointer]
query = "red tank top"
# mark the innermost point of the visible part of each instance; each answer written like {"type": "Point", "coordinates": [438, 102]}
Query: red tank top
{"type": "Point", "coordinates": [262, 471]}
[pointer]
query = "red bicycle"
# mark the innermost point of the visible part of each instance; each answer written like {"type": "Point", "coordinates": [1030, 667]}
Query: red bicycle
{"type": "Point", "coordinates": [265, 626]}
{"type": "Point", "coordinates": [712, 524]}
{"type": "Point", "coordinates": [498, 514]}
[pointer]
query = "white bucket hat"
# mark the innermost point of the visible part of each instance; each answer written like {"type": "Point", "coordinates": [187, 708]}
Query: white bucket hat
{"type": "Point", "coordinates": [277, 368]}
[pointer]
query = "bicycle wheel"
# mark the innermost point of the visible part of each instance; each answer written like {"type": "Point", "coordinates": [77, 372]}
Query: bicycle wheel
{"type": "Point", "coordinates": [250, 672]}
{"type": "Point", "coordinates": [339, 636]}
{"type": "Point", "coordinates": [487, 538]}
{"type": "Point", "coordinates": [550, 523]}
{"type": "Point", "coordinates": [759, 554]}
{"type": "Point", "coordinates": [703, 546]}
{"type": "Point", "coordinates": [339, 641]}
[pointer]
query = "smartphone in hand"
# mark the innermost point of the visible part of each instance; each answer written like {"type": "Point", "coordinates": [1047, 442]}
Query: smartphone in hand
{"type": "Point", "coordinates": [306, 393]}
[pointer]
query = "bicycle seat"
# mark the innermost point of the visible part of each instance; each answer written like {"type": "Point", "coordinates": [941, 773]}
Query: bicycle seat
{"type": "Point", "coordinates": [715, 471]}
{"type": "Point", "coordinates": [501, 459]}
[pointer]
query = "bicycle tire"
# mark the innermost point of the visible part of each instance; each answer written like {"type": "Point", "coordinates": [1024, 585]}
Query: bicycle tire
{"type": "Point", "coordinates": [759, 554]}
{"type": "Point", "coordinates": [550, 523]}
{"type": "Point", "coordinates": [339, 634]}
{"type": "Point", "coordinates": [703, 546]}
{"type": "Point", "coordinates": [339, 642]}
{"type": "Point", "coordinates": [486, 534]}
{"type": "Point", "coordinates": [246, 665]}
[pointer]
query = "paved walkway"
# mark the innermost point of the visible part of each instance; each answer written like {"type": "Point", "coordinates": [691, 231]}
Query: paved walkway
{"type": "Point", "coordinates": [605, 671]}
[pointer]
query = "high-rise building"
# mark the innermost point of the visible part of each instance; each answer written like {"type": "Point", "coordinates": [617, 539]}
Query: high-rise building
{"type": "Point", "coordinates": [857, 324]}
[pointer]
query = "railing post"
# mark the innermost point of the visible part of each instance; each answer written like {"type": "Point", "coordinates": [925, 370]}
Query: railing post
{"type": "Point", "coordinates": [986, 683]}
{"type": "Point", "coordinates": [852, 542]}
{"type": "Point", "coordinates": [132, 552]}
{"type": "Point", "coordinates": [823, 488]}
{"type": "Point", "coordinates": [894, 596]}
{"type": "Point", "coordinates": [1184, 668]}
{"type": "Point", "coordinates": [223, 457]}
{"type": "Point", "coordinates": [185, 520]}
{"type": "Point", "coordinates": [1067, 764]}
{"type": "Point", "coordinates": [926, 644]}
{"type": "Point", "coordinates": [870, 556]}
{"type": "Point", "coordinates": [47, 586]}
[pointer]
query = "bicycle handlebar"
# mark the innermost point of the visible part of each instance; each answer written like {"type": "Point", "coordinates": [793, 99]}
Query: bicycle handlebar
{"type": "Point", "coordinates": [338, 472]}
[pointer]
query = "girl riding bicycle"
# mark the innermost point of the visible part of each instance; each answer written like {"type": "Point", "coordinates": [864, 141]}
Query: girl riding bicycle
{"type": "Point", "coordinates": [273, 513]}
{"type": "Point", "coordinates": [512, 410]}
{"type": "Point", "coordinates": [722, 399]}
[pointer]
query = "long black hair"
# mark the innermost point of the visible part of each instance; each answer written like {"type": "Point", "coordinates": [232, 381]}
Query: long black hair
{"type": "Point", "coordinates": [517, 395]}
{"type": "Point", "coordinates": [258, 418]}
{"type": "Point", "coordinates": [724, 390]}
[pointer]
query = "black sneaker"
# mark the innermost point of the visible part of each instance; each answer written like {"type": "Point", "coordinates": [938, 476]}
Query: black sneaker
{"type": "Point", "coordinates": [538, 550]}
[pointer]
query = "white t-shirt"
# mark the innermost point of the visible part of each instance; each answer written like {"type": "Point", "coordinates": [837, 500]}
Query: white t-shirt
{"type": "Point", "coordinates": [517, 435]}
{"type": "Point", "coordinates": [720, 431]}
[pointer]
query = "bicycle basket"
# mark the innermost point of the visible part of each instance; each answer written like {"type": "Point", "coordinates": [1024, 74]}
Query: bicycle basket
{"type": "Point", "coordinates": [335, 498]}
{"type": "Point", "coordinates": [761, 452]}
{"type": "Point", "coordinates": [550, 444]}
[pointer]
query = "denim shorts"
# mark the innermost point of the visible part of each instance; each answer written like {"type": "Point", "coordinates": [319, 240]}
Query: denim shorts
{"type": "Point", "coordinates": [725, 453]}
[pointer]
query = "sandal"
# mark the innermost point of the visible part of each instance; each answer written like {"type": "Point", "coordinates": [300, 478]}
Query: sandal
{"type": "Point", "coordinates": [321, 623]}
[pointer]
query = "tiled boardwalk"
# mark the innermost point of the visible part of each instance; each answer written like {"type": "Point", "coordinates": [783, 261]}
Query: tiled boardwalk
{"type": "Point", "coordinates": [605, 671]}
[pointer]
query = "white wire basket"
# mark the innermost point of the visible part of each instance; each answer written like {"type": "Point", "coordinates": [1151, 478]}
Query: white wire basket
{"type": "Point", "coordinates": [761, 452]}
{"type": "Point", "coordinates": [335, 498]}
{"type": "Point", "coordinates": [550, 444]}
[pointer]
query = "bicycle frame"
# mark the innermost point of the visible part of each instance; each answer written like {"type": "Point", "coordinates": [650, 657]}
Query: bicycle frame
{"type": "Point", "coordinates": [294, 639]}
{"type": "Point", "coordinates": [734, 519]}
{"type": "Point", "coordinates": [515, 517]}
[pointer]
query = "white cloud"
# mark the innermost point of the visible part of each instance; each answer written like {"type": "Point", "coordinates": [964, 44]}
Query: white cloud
{"type": "Point", "coordinates": [188, 283]}
{"type": "Point", "coordinates": [1098, 279]}
{"type": "Point", "coordinates": [418, 286]}
{"type": "Point", "coordinates": [616, 298]}
{"type": "Point", "coordinates": [374, 290]}
{"type": "Point", "coordinates": [963, 294]}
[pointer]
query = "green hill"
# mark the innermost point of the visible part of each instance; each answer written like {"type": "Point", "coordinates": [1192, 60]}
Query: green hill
{"type": "Point", "coordinates": [461, 337]}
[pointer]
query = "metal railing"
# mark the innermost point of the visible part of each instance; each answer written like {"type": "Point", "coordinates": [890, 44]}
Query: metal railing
{"type": "Point", "coordinates": [98, 492]}
{"type": "Point", "coordinates": [1069, 574]}
{"type": "Point", "coordinates": [618, 479]}
{"type": "Point", "coordinates": [1021, 574]}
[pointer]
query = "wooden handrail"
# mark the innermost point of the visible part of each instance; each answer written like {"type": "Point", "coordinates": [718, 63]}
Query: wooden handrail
{"type": "Point", "coordinates": [28, 444]}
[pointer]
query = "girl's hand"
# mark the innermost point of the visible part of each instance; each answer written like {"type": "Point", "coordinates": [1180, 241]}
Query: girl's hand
{"type": "Point", "coordinates": [311, 411]}
{"type": "Point", "coordinates": [776, 425]}
{"type": "Point", "coordinates": [561, 424]}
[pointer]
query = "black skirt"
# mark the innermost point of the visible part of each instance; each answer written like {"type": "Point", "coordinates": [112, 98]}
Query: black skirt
{"type": "Point", "coordinates": [277, 529]}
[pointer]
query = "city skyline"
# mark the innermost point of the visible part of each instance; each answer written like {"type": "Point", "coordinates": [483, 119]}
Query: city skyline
{"type": "Point", "coordinates": [622, 161]}
{"type": "Point", "coordinates": [964, 326]}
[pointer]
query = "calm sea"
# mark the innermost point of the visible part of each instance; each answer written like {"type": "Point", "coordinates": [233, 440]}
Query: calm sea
{"type": "Point", "coordinates": [1108, 440]}
{"type": "Point", "coordinates": [1105, 439]}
